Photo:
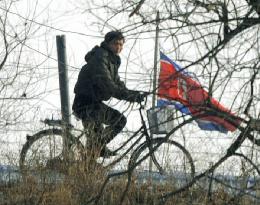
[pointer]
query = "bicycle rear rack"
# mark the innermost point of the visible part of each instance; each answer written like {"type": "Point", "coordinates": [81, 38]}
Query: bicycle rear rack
{"type": "Point", "coordinates": [57, 123]}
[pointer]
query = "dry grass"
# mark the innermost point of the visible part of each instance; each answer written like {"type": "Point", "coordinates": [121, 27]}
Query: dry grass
{"type": "Point", "coordinates": [84, 181]}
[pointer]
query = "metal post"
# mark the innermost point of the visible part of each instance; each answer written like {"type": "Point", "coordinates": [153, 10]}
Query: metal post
{"type": "Point", "coordinates": [209, 195]}
{"type": "Point", "coordinates": [155, 75]}
{"type": "Point", "coordinates": [64, 91]}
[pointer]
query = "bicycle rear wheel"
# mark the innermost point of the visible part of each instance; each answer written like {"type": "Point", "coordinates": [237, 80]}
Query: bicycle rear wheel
{"type": "Point", "coordinates": [44, 150]}
{"type": "Point", "coordinates": [172, 162]}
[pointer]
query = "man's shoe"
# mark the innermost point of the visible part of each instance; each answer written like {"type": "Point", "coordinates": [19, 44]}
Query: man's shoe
{"type": "Point", "coordinates": [106, 153]}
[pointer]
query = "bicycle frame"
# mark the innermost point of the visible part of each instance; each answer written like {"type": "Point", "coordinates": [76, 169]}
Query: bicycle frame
{"type": "Point", "coordinates": [59, 123]}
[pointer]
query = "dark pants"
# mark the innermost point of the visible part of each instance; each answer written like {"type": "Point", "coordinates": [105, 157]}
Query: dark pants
{"type": "Point", "coordinates": [102, 123]}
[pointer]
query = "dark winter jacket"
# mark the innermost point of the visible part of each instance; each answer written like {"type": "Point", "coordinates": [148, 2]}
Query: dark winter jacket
{"type": "Point", "coordinates": [98, 80]}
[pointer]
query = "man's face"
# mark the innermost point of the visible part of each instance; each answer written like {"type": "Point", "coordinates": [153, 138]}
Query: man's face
{"type": "Point", "coordinates": [116, 46]}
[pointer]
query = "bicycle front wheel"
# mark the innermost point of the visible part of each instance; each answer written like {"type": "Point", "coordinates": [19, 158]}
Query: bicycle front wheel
{"type": "Point", "coordinates": [170, 159]}
{"type": "Point", "coordinates": [45, 150]}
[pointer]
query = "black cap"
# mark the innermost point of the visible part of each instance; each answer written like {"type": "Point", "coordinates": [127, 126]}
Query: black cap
{"type": "Point", "coordinates": [114, 35]}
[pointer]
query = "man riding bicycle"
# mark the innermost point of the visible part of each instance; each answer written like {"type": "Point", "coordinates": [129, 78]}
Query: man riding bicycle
{"type": "Point", "coordinates": [98, 81]}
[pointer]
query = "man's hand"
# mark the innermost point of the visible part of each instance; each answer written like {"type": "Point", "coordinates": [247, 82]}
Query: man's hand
{"type": "Point", "coordinates": [141, 96]}
{"type": "Point", "coordinates": [137, 96]}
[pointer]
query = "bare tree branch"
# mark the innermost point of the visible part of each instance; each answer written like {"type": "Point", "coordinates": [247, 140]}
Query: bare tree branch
{"type": "Point", "coordinates": [137, 8]}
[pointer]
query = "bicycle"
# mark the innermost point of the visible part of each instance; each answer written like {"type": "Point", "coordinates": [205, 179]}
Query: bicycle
{"type": "Point", "coordinates": [45, 150]}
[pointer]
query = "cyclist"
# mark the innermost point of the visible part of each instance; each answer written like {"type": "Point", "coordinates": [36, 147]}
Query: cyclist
{"type": "Point", "coordinates": [98, 81]}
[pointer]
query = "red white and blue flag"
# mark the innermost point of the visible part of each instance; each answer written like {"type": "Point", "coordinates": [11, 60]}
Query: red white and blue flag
{"type": "Point", "coordinates": [179, 88]}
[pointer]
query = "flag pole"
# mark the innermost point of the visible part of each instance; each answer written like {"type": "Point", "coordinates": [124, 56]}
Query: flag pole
{"type": "Point", "coordinates": [155, 75]}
